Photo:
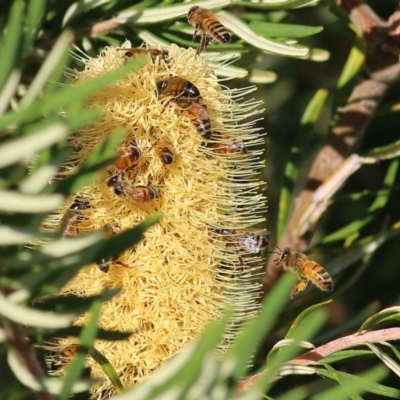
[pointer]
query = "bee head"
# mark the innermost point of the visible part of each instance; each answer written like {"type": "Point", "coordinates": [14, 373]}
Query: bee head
{"type": "Point", "coordinates": [191, 12]}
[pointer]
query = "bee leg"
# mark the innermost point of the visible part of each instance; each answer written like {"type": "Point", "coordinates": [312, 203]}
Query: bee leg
{"type": "Point", "coordinates": [196, 29]}
{"type": "Point", "coordinates": [300, 286]}
{"type": "Point", "coordinates": [203, 45]}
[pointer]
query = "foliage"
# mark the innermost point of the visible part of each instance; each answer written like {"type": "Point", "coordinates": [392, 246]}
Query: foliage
{"type": "Point", "coordinates": [356, 233]}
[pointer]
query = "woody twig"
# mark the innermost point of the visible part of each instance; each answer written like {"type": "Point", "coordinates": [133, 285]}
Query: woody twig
{"type": "Point", "coordinates": [315, 356]}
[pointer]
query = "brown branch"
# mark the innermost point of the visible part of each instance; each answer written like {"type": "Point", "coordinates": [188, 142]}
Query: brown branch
{"type": "Point", "coordinates": [347, 342]}
{"type": "Point", "coordinates": [381, 71]}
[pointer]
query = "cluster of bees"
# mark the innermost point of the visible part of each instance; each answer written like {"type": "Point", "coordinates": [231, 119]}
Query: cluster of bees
{"type": "Point", "coordinates": [186, 96]}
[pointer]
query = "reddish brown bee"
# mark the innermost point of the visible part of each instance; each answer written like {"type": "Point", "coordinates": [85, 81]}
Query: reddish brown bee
{"type": "Point", "coordinates": [133, 194]}
{"type": "Point", "coordinates": [154, 53]}
{"type": "Point", "coordinates": [306, 270]}
{"type": "Point", "coordinates": [165, 152]}
{"type": "Point", "coordinates": [210, 28]}
{"type": "Point", "coordinates": [199, 116]}
{"type": "Point", "coordinates": [136, 194]}
{"type": "Point", "coordinates": [177, 87]}
{"type": "Point", "coordinates": [128, 156]}
{"type": "Point", "coordinates": [69, 223]}
{"type": "Point", "coordinates": [228, 146]}
{"type": "Point", "coordinates": [62, 358]}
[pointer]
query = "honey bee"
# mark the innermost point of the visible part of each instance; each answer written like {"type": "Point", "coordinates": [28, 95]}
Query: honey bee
{"type": "Point", "coordinates": [154, 53]}
{"type": "Point", "coordinates": [177, 87]}
{"type": "Point", "coordinates": [210, 28]}
{"type": "Point", "coordinates": [228, 147]}
{"type": "Point", "coordinates": [128, 156]}
{"type": "Point", "coordinates": [133, 194]}
{"type": "Point", "coordinates": [62, 358]}
{"type": "Point", "coordinates": [199, 116]}
{"type": "Point", "coordinates": [165, 152]}
{"type": "Point", "coordinates": [252, 241]}
{"type": "Point", "coordinates": [104, 264]}
{"type": "Point", "coordinates": [306, 270]}
{"type": "Point", "coordinates": [69, 223]}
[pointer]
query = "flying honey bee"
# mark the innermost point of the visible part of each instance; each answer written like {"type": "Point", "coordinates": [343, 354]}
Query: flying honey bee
{"type": "Point", "coordinates": [228, 146]}
{"type": "Point", "coordinates": [128, 156]}
{"type": "Point", "coordinates": [69, 223]}
{"type": "Point", "coordinates": [198, 115]}
{"type": "Point", "coordinates": [306, 270]}
{"type": "Point", "coordinates": [210, 28]}
{"type": "Point", "coordinates": [62, 358]}
{"type": "Point", "coordinates": [253, 241]}
{"type": "Point", "coordinates": [154, 53]}
{"type": "Point", "coordinates": [165, 152]}
{"type": "Point", "coordinates": [177, 87]}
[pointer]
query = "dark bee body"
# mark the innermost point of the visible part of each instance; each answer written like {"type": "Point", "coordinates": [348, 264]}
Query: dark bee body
{"type": "Point", "coordinates": [198, 115]}
{"type": "Point", "coordinates": [69, 223]}
{"type": "Point", "coordinates": [62, 358]}
{"type": "Point", "coordinates": [154, 53]}
{"type": "Point", "coordinates": [165, 152]}
{"type": "Point", "coordinates": [306, 270]}
{"type": "Point", "coordinates": [210, 28]}
{"type": "Point", "coordinates": [251, 241]}
{"type": "Point", "coordinates": [177, 87]}
{"type": "Point", "coordinates": [128, 156]}
{"type": "Point", "coordinates": [104, 264]}
{"type": "Point", "coordinates": [228, 147]}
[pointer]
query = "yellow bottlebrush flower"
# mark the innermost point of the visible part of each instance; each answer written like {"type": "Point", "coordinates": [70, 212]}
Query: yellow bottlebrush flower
{"type": "Point", "coordinates": [196, 261]}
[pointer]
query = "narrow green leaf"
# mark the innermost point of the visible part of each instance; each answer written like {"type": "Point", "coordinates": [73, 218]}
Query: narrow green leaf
{"type": "Point", "coordinates": [73, 304]}
{"type": "Point", "coordinates": [29, 316]}
{"type": "Point", "coordinates": [10, 41]}
{"type": "Point", "coordinates": [303, 319]}
{"type": "Point", "coordinates": [348, 77]}
{"type": "Point", "coordinates": [393, 348]}
{"type": "Point", "coordinates": [154, 15]}
{"type": "Point", "coordinates": [385, 152]}
{"type": "Point", "coordinates": [38, 384]}
{"type": "Point", "coordinates": [360, 383]}
{"type": "Point", "coordinates": [107, 368]}
{"type": "Point", "coordinates": [350, 386]}
{"type": "Point", "coordinates": [35, 13]}
{"type": "Point", "coordinates": [242, 30]}
{"type": "Point", "coordinates": [378, 317]}
{"type": "Point", "coordinates": [75, 331]}
{"type": "Point", "coordinates": [58, 55]}
{"type": "Point", "coordinates": [68, 96]}
{"type": "Point", "coordinates": [256, 329]}
{"type": "Point", "coordinates": [308, 120]}
{"type": "Point", "coordinates": [90, 171]}
{"type": "Point", "coordinates": [347, 355]}
{"type": "Point", "coordinates": [23, 148]}
{"type": "Point", "coordinates": [277, 5]}
{"type": "Point", "coordinates": [87, 338]}
{"type": "Point", "coordinates": [270, 29]}
{"type": "Point", "coordinates": [387, 360]}
{"type": "Point", "coordinates": [22, 203]}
